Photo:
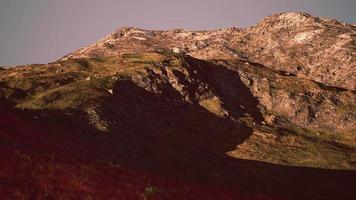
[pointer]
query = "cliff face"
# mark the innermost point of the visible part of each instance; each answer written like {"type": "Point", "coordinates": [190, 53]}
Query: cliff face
{"type": "Point", "coordinates": [280, 92]}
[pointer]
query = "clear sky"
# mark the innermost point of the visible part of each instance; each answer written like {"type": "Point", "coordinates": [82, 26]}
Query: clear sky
{"type": "Point", "coordinates": [41, 31]}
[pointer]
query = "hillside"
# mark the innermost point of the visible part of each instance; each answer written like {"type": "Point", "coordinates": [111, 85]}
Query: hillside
{"type": "Point", "coordinates": [266, 112]}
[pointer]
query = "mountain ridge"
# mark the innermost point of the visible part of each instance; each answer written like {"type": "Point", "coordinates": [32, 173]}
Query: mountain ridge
{"type": "Point", "coordinates": [259, 44]}
{"type": "Point", "coordinates": [266, 112]}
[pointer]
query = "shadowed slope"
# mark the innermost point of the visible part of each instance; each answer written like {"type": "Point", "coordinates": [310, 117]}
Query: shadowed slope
{"type": "Point", "coordinates": [75, 162]}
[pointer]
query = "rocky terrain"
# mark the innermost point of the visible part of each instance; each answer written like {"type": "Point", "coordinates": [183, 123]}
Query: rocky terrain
{"type": "Point", "coordinates": [318, 49]}
{"type": "Point", "coordinates": [266, 112]}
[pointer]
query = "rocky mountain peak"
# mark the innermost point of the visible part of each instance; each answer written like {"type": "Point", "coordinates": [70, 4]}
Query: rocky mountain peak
{"type": "Point", "coordinates": [212, 106]}
{"type": "Point", "coordinates": [288, 20]}
{"type": "Point", "coordinates": [321, 50]}
{"type": "Point", "coordinates": [127, 31]}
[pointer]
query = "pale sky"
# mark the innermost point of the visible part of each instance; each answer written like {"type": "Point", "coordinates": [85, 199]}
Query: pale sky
{"type": "Point", "coordinates": [41, 31]}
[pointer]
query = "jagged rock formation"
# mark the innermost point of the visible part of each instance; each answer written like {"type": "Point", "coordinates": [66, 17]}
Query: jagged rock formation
{"type": "Point", "coordinates": [282, 91]}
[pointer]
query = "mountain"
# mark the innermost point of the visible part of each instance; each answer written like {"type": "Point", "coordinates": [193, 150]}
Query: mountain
{"type": "Point", "coordinates": [266, 112]}
{"type": "Point", "coordinates": [321, 50]}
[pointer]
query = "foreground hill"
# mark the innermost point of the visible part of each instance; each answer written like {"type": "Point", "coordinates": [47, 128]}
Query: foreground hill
{"type": "Point", "coordinates": [188, 113]}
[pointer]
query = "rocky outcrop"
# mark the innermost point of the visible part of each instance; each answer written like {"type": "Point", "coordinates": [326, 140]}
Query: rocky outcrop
{"type": "Point", "coordinates": [318, 49]}
{"type": "Point", "coordinates": [322, 50]}
{"type": "Point", "coordinates": [287, 83]}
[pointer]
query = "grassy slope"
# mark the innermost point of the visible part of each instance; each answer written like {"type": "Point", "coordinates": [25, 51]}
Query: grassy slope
{"type": "Point", "coordinates": [70, 87]}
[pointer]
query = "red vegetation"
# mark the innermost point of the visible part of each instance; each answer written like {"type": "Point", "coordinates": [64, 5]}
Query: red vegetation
{"type": "Point", "coordinates": [44, 160]}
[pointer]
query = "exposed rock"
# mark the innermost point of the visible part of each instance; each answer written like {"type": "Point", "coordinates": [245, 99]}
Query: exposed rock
{"type": "Point", "coordinates": [322, 50]}
{"type": "Point", "coordinates": [59, 70]}
{"type": "Point", "coordinates": [287, 82]}
{"type": "Point", "coordinates": [176, 50]}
